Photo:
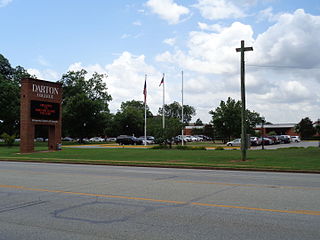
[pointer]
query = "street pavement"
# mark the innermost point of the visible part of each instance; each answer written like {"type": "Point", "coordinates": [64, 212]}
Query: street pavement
{"type": "Point", "coordinates": [56, 201]}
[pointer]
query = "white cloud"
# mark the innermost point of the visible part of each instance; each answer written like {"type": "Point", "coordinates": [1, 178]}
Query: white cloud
{"type": "Point", "coordinates": [295, 90]}
{"type": "Point", "coordinates": [42, 61]}
{"type": "Point", "coordinates": [281, 94]}
{"type": "Point", "coordinates": [90, 68]}
{"type": "Point", "coordinates": [211, 67]}
{"type": "Point", "coordinates": [290, 42]}
{"type": "Point", "coordinates": [211, 52]}
{"type": "Point", "coordinates": [125, 80]}
{"type": "Point", "coordinates": [125, 35]}
{"type": "Point", "coordinates": [167, 10]}
{"type": "Point", "coordinates": [46, 74]}
{"type": "Point", "coordinates": [4, 3]}
{"type": "Point", "coordinates": [266, 14]}
{"type": "Point", "coordinates": [137, 23]}
{"type": "Point", "coordinates": [213, 27]}
{"type": "Point", "coordinates": [170, 41]}
{"type": "Point", "coordinates": [219, 9]}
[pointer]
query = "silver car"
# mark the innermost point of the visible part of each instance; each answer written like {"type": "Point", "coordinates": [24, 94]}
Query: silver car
{"type": "Point", "coordinates": [236, 142]}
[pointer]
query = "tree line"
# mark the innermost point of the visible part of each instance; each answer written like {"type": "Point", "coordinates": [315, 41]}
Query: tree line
{"type": "Point", "coordinates": [86, 110]}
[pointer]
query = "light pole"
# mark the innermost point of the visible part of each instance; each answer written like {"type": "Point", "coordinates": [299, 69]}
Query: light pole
{"type": "Point", "coordinates": [182, 108]}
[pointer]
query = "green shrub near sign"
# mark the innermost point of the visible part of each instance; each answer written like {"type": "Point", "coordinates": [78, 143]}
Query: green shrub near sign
{"type": "Point", "coordinates": [8, 140]}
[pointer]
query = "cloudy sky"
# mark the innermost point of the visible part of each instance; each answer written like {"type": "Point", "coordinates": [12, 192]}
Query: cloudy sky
{"type": "Point", "coordinates": [127, 39]}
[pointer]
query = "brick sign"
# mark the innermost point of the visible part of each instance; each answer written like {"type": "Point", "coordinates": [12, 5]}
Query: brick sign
{"type": "Point", "coordinates": [40, 105]}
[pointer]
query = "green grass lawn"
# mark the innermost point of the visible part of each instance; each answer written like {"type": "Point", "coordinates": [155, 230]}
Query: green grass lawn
{"type": "Point", "coordinates": [291, 159]}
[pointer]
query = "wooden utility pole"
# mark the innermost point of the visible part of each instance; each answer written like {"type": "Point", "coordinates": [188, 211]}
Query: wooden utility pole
{"type": "Point", "coordinates": [244, 144]}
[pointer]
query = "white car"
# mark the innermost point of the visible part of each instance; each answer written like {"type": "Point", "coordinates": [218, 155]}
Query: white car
{"type": "Point", "coordinates": [236, 142]}
{"type": "Point", "coordinates": [187, 138]}
{"type": "Point", "coordinates": [193, 138]}
{"type": "Point", "coordinates": [295, 139]}
{"type": "Point", "coordinates": [96, 139]}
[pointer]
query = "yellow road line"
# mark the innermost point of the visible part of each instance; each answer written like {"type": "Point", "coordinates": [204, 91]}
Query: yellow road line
{"type": "Point", "coordinates": [304, 212]}
{"type": "Point", "coordinates": [175, 181]}
{"type": "Point", "coordinates": [250, 185]}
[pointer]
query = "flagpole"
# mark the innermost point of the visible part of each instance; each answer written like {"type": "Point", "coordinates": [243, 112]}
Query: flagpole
{"type": "Point", "coordinates": [163, 118]}
{"type": "Point", "coordinates": [145, 111]}
{"type": "Point", "coordinates": [182, 107]}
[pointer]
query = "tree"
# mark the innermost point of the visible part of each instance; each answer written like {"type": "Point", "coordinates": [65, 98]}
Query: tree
{"type": "Point", "coordinates": [85, 104]}
{"type": "Point", "coordinates": [173, 110]}
{"type": "Point", "coordinates": [318, 127]}
{"type": "Point", "coordinates": [138, 105]}
{"type": "Point", "coordinates": [130, 119]}
{"type": "Point", "coordinates": [305, 128]}
{"type": "Point", "coordinates": [10, 96]}
{"type": "Point", "coordinates": [198, 122]}
{"type": "Point", "coordinates": [226, 119]}
{"type": "Point", "coordinates": [172, 129]}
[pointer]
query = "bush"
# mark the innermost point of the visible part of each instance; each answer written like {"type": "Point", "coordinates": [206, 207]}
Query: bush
{"type": "Point", "coordinates": [288, 148]}
{"type": "Point", "coordinates": [8, 140]}
{"type": "Point", "coordinates": [312, 138]}
{"type": "Point", "coordinates": [161, 146]}
{"type": "Point", "coordinates": [179, 147]}
{"type": "Point", "coordinates": [219, 148]}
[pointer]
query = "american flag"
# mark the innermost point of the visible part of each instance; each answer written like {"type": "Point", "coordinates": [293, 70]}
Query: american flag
{"type": "Point", "coordinates": [162, 81]}
{"type": "Point", "coordinates": [145, 91]}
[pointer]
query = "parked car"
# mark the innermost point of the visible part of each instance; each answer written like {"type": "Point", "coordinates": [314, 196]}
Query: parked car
{"type": "Point", "coordinates": [96, 139]}
{"type": "Point", "coordinates": [285, 138]}
{"type": "Point", "coordinates": [199, 138]}
{"type": "Point", "coordinates": [266, 141]}
{"type": "Point", "coordinates": [178, 140]}
{"type": "Point", "coordinates": [67, 139]}
{"type": "Point", "coordinates": [206, 138]}
{"type": "Point", "coordinates": [295, 139]}
{"type": "Point", "coordinates": [128, 140]}
{"type": "Point", "coordinates": [255, 141]}
{"type": "Point", "coordinates": [111, 139]}
{"type": "Point", "coordinates": [187, 138]}
{"type": "Point", "coordinates": [235, 142]}
{"type": "Point", "coordinates": [150, 139]}
{"type": "Point", "coordinates": [275, 139]}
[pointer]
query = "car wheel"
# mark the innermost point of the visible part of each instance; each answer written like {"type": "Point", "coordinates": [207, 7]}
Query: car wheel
{"type": "Point", "coordinates": [229, 145]}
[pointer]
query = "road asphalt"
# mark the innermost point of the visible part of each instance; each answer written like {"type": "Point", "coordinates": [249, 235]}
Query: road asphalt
{"type": "Point", "coordinates": [61, 201]}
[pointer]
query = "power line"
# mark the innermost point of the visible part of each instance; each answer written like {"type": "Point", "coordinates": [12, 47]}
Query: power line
{"type": "Point", "coordinates": [279, 66]}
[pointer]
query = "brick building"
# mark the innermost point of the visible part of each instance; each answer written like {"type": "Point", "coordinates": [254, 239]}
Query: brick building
{"type": "Point", "coordinates": [280, 129]}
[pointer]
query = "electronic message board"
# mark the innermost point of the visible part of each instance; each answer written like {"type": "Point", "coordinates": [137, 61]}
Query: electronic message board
{"type": "Point", "coordinates": [44, 110]}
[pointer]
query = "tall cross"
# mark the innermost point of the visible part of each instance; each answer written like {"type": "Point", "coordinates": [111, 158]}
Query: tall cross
{"type": "Point", "coordinates": [244, 143]}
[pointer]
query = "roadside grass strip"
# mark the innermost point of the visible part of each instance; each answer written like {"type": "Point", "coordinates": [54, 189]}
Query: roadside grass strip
{"type": "Point", "coordinates": [300, 160]}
